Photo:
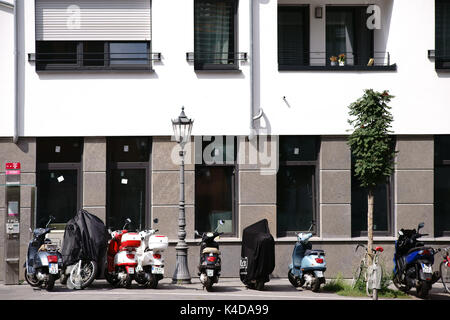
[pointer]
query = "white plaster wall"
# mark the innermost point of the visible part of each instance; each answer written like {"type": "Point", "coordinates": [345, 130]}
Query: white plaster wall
{"type": "Point", "coordinates": [94, 104]}
{"type": "Point", "coordinates": [318, 101]}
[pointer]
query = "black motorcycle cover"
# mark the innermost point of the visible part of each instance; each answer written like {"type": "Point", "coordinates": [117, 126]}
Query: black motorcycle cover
{"type": "Point", "coordinates": [257, 253]}
{"type": "Point", "coordinates": [85, 237]}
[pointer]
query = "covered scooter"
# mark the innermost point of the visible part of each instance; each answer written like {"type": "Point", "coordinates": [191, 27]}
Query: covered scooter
{"type": "Point", "coordinates": [257, 255]}
{"type": "Point", "coordinates": [84, 249]}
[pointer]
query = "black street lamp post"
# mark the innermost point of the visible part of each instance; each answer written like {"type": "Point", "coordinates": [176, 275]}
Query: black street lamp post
{"type": "Point", "coordinates": [182, 127]}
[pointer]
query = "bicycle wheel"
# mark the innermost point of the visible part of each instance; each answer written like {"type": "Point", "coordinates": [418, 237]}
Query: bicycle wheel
{"type": "Point", "coordinates": [444, 269]}
{"type": "Point", "coordinates": [357, 274]}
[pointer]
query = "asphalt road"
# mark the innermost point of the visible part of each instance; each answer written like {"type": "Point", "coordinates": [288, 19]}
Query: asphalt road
{"type": "Point", "coordinates": [226, 289]}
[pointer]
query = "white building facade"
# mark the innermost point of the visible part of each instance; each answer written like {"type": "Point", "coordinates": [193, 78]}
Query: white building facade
{"type": "Point", "coordinates": [98, 82]}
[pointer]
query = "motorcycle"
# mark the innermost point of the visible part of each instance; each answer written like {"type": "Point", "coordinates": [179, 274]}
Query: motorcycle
{"type": "Point", "coordinates": [307, 265]}
{"type": "Point", "coordinates": [44, 261]}
{"type": "Point", "coordinates": [257, 260]}
{"type": "Point", "coordinates": [150, 263]}
{"type": "Point", "coordinates": [83, 250]}
{"type": "Point", "coordinates": [413, 263]}
{"type": "Point", "coordinates": [121, 256]}
{"type": "Point", "coordinates": [210, 262]}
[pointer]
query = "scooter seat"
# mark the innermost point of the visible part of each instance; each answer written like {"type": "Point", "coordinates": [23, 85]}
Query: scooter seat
{"type": "Point", "coordinates": [211, 250]}
{"type": "Point", "coordinates": [314, 252]}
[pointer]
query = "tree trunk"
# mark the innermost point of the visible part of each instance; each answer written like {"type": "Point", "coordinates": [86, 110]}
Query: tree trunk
{"type": "Point", "coordinates": [370, 225]}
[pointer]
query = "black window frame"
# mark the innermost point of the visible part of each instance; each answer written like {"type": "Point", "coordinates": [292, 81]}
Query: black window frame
{"type": "Point", "coordinates": [198, 65]}
{"type": "Point", "coordinates": [315, 183]}
{"type": "Point", "coordinates": [80, 58]}
{"type": "Point", "coordinates": [440, 161]}
{"type": "Point", "coordinates": [234, 181]}
{"type": "Point", "coordinates": [59, 165]}
{"type": "Point", "coordinates": [442, 58]}
{"type": "Point", "coordinates": [311, 66]}
{"type": "Point", "coordinates": [112, 164]}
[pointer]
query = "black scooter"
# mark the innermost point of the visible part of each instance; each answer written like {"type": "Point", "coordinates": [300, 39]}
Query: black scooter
{"type": "Point", "coordinates": [210, 262]}
{"type": "Point", "coordinates": [44, 261]}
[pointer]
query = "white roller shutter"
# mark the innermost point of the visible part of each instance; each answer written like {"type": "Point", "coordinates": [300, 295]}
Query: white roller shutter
{"type": "Point", "coordinates": [93, 20]}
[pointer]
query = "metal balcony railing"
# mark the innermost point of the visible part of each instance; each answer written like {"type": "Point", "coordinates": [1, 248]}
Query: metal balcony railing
{"type": "Point", "coordinates": [216, 57]}
{"type": "Point", "coordinates": [91, 60]}
{"type": "Point", "coordinates": [315, 60]}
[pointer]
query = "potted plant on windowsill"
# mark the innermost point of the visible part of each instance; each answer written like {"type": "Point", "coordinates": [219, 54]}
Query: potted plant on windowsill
{"type": "Point", "coordinates": [333, 60]}
{"type": "Point", "coordinates": [342, 60]}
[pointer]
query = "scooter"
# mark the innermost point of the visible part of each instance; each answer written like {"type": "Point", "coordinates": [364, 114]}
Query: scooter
{"type": "Point", "coordinates": [44, 261]}
{"type": "Point", "coordinates": [121, 256]}
{"type": "Point", "coordinates": [307, 265]}
{"type": "Point", "coordinates": [210, 262]}
{"type": "Point", "coordinates": [150, 263]}
{"type": "Point", "coordinates": [413, 263]}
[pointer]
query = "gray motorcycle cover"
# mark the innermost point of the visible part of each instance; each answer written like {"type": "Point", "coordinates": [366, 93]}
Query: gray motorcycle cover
{"type": "Point", "coordinates": [85, 237]}
{"type": "Point", "coordinates": [257, 252]}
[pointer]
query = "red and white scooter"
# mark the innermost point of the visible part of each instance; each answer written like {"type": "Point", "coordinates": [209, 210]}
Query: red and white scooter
{"type": "Point", "coordinates": [121, 257]}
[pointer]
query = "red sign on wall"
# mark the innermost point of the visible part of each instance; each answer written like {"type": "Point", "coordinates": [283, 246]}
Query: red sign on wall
{"type": "Point", "coordinates": [12, 168]}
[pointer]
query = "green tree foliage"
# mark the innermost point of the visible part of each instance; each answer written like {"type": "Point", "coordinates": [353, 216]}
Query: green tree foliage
{"type": "Point", "coordinates": [370, 142]}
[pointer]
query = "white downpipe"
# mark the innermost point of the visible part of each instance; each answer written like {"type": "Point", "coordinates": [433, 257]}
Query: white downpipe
{"type": "Point", "coordinates": [16, 67]}
{"type": "Point", "coordinates": [252, 84]}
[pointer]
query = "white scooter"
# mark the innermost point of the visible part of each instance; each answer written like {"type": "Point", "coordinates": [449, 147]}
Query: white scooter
{"type": "Point", "coordinates": [150, 263]}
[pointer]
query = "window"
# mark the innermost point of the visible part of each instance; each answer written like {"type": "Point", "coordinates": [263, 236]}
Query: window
{"type": "Point", "coordinates": [382, 209]}
{"type": "Point", "coordinates": [215, 34]}
{"type": "Point", "coordinates": [442, 34]}
{"type": "Point", "coordinates": [58, 179]}
{"type": "Point", "coordinates": [296, 184]}
{"type": "Point", "coordinates": [128, 182]}
{"type": "Point", "coordinates": [215, 185]}
{"type": "Point", "coordinates": [442, 185]}
{"type": "Point", "coordinates": [293, 35]}
{"type": "Point", "coordinates": [347, 33]}
{"type": "Point", "coordinates": [92, 55]}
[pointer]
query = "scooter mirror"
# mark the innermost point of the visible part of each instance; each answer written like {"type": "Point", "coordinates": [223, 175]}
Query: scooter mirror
{"type": "Point", "coordinates": [196, 232]}
{"type": "Point", "coordinates": [400, 233]}
{"type": "Point", "coordinates": [421, 225]}
{"type": "Point", "coordinates": [221, 222]}
{"type": "Point", "coordinates": [155, 220]}
{"type": "Point", "coordinates": [128, 220]}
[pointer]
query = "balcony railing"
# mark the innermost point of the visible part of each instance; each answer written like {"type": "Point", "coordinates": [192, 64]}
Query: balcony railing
{"type": "Point", "coordinates": [291, 60]}
{"type": "Point", "coordinates": [94, 60]}
{"type": "Point", "coordinates": [216, 60]}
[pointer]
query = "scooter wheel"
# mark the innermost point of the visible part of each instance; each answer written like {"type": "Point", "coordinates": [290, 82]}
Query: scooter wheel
{"type": "Point", "coordinates": [50, 282]}
{"type": "Point", "coordinates": [153, 283]}
{"type": "Point", "coordinates": [296, 282]}
{"type": "Point", "coordinates": [208, 284]}
{"type": "Point", "coordinates": [31, 279]}
{"type": "Point", "coordinates": [259, 285]}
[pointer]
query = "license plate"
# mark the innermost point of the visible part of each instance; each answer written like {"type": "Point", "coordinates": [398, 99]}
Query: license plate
{"type": "Point", "coordinates": [427, 268]}
{"type": "Point", "coordinates": [319, 274]}
{"type": "Point", "coordinates": [210, 272]}
{"type": "Point", "coordinates": [53, 268]}
{"type": "Point", "coordinates": [157, 270]}
{"type": "Point", "coordinates": [130, 270]}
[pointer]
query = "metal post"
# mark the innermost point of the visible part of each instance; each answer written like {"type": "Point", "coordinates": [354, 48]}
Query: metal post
{"type": "Point", "coordinates": [181, 274]}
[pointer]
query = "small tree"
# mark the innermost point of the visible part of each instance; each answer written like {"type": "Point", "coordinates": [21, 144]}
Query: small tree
{"type": "Point", "coordinates": [372, 147]}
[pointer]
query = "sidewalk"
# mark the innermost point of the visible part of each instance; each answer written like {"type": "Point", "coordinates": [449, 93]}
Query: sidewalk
{"type": "Point", "coordinates": [226, 289]}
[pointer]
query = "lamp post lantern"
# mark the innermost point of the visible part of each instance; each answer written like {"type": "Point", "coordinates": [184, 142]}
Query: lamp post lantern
{"type": "Point", "coordinates": [182, 127]}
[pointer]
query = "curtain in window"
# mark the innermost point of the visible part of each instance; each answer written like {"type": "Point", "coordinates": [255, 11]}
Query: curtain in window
{"type": "Point", "coordinates": [214, 31]}
{"type": "Point", "coordinates": [340, 33]}
{"type": "Point", "coordinates": [347, 33]}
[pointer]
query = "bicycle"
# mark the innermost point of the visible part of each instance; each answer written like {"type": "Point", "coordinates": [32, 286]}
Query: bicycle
{"type": "Point", "coordinates": [444, 269]}
{"type": "Point", "coordinates": [372, 273]}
